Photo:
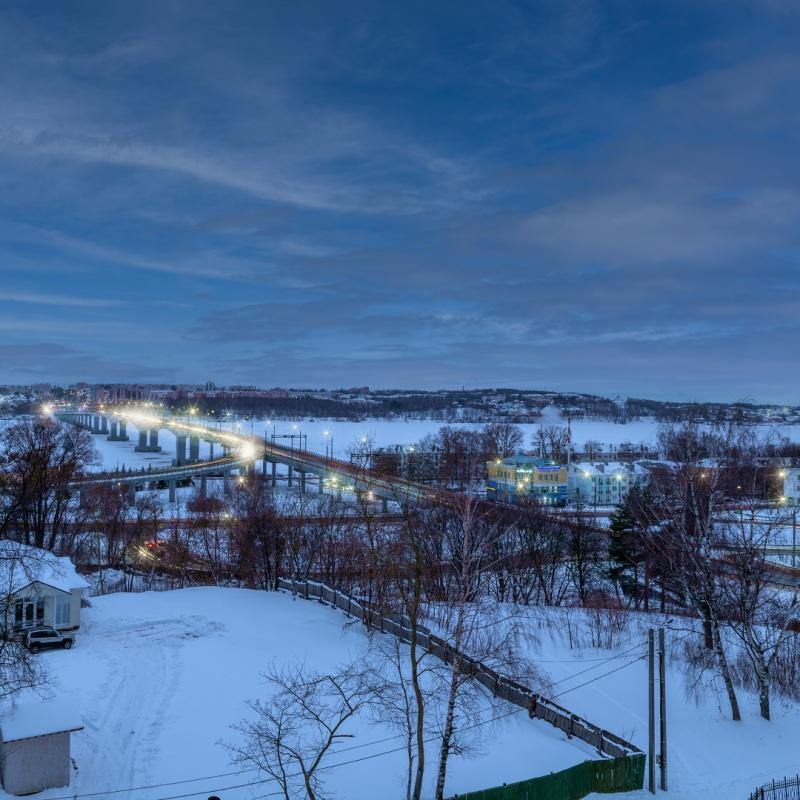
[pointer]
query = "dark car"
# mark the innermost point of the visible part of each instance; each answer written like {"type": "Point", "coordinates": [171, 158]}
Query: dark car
{"type": "Point", "coordinates": [40, 638]}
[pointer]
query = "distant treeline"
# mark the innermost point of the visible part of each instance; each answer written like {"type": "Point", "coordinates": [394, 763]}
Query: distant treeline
{"type": "Point", "coordinates": [508, 405]}
{"type": "Point", "coordinates": [451, 406]}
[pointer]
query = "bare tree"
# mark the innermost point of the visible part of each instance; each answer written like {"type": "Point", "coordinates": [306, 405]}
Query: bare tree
{"type": "Point", "coordinates": [471, 629]}
{"type": "Point", "coordinates": [295, 729]}
{"type": "Point", "coordinates": [501, 440]}
{"type": "Point", "coordinates": [757, 610]}
{"type": "Point", "coordinates": [259, 533]}
{"type": "Point", "coordinates": [685, 501]}
{"type": "Point", "coordinates": [39, 462]}
{"type": "Point", "coordinates": [413, 573]}
{"type": "Point", "coordinates": [19, 565]}
{"type": "Point", "coordinates": [552, 441]}
{"type": "Point", "coordinates": [397, 704]}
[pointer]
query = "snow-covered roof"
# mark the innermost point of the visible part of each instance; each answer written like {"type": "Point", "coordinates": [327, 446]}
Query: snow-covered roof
{"type": "Point", "coordinates": [21, 565]}
{"type": "Point", "coordinates": [589, 468]}
{"type": "Point", "coordinates": [38, 718]}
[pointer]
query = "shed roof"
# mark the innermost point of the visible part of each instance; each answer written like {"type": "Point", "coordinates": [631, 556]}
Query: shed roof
{"type": "Point", "coordinates": [21, 565]}
{"type": "Point", "coordinates": [38, 718]}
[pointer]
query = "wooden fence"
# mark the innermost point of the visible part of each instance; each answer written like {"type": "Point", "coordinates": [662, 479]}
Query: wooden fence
{"type": "Point", "coordinates": [606, 743]}
{"type": "Point", "coordinates": [606, 776]}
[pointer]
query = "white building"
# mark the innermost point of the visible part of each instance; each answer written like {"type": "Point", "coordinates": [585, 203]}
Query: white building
{"type": "Point", "coordinates": [791, 485]}
{"type": "Point", "coordinates": [38, 588]}
{"type": "Point", "coordinates": [604, 483]}
{"type": "Point", "coordinates": [35, 746]}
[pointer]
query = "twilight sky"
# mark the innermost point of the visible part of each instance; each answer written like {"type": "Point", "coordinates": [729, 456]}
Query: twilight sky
{"type": "Point", "coordinates": [597, 196]}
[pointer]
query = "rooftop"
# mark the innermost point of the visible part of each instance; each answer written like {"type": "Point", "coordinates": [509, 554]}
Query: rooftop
{"type": "Point", "coordinates": [21, 565]}
{"type": "Point", "coordinates": [39, 718]}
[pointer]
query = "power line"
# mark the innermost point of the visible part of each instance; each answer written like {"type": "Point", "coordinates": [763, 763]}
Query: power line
{"type": "Point", "coordinates": [246, 770]}
{"type": "Point", "coordinates": [340, 763]}
{"type": "Point", "coordinates": [593, 680]}
{"type": "Point", "coordinates": [588, 669]}
{"type": "Point", "coordinates": [397, 749]}
{"type": "Point", "coordinates": [347, 749]}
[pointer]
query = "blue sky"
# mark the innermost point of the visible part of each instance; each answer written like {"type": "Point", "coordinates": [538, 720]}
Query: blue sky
{"type": "Point", "coordinates": [592, 196]}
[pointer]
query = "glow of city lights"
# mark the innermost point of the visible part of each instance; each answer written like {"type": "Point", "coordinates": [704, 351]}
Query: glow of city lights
{"type": "Point", "coordinates": [248, 451]}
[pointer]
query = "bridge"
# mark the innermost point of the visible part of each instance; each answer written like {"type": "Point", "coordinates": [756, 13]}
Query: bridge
{"type": "Point", "coordinates": [239, 452]}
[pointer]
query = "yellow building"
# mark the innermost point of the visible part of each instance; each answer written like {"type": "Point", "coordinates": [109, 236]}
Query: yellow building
{"type": "Point", "coordinates": [523, 476]}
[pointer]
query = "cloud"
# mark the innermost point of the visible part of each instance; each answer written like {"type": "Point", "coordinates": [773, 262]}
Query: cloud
{"type": "Point", "coordinates": [37, 298]}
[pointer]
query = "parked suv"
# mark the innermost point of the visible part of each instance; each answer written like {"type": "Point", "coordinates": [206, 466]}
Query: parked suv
{"type": "Point", "coordinates": [40, 638]}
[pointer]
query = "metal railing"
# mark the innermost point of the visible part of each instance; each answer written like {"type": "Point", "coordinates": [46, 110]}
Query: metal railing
{"type": "Point", "coordinates": [782, 789]}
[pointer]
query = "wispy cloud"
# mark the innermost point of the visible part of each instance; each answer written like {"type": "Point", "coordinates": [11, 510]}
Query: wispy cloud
{"type": "Point", "coordinates": [37, 298]}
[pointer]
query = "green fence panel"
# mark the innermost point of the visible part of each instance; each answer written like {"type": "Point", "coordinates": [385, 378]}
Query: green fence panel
{"type": "Point", "coordinates": [609, 775]}
{"type": "Point", "coordinates": [619, 774]}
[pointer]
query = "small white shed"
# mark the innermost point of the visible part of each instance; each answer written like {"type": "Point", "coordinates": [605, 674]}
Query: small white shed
{"type": "Point", "coordinates": [34, 745]}
{"type": "Point", "coordinates": [38, 589]}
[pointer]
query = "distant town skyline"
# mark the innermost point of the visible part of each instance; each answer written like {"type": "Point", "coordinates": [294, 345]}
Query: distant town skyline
{"type": "Point", "coordinates": [585, 196]}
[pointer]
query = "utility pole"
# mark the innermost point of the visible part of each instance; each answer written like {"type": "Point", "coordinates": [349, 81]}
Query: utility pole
{"type": "Point", "coordinates": [651, 709]}
{"type": "Point", "coordinates": [662, 711]}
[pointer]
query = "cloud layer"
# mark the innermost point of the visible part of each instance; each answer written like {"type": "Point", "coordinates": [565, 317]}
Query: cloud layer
{"type": "Point", "coordinates": [591, 196]}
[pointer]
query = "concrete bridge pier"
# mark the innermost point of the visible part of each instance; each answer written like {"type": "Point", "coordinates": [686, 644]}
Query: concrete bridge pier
{"type": "Point", "coordinates": [302, 481]}
{"type": "Point", "coordinates": [384, 505]}
{"type": "Point", "coordinates": [226, 482]}
{"type": "Point", "coordinates": [203, 486]}
{"type": "Point", "coordinates": [211, 445]}
{"type": "Point", "coordinates": [96, 425]}
{"type": "Point", "coordinates": [321, 484]}
{"type": "Point", "coordinates": [172, 487]}
{"type": "Point", "coordinates": [274, 472]}
{"type": "Point", "coordinates": [119, 431]}
{"type": "Point", "coordinates": [180, 449]}
{"type": "Point", "coordinates": [104, 425]}
{"type": "Point", "coordinates": [194, 449]}
{"type": "Point", "coordinates": [148, 442]}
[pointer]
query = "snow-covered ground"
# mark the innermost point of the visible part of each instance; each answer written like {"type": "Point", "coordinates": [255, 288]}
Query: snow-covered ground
{"type": "Point", "coordinates": [346, 435]}
{"type": "Point", "coordinates": [709, 756]}
{"type": "Point", "coordinates": [160, 677]}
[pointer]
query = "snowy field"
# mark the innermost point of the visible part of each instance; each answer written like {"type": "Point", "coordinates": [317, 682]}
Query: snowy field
{"type": "Point", "coordinates": [160, 677]}
{"type": "Point", "coordinates": [347, 434]}
{"type": "Point", "coordinates": [709, 756]}
{"type": "Point", "coordinates": [344, 436]}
